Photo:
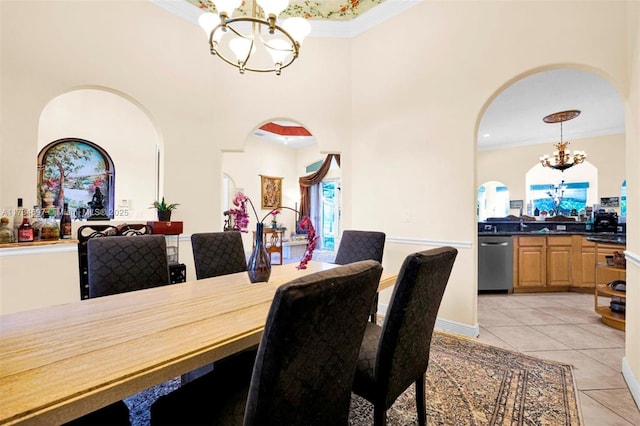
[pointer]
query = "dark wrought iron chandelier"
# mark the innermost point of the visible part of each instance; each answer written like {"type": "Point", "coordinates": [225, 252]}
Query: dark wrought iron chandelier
{"type": "Point", "coordinates": [249, 43]}
{"type": "Point", "coordinates": [562, 158]}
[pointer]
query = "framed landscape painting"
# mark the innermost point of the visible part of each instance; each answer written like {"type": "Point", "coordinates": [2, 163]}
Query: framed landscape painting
{"type": "Point", "coordinates": [271, 192]}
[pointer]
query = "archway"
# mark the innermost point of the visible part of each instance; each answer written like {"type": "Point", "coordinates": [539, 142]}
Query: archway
{"type": "Point", "coordinates": [284, 149]}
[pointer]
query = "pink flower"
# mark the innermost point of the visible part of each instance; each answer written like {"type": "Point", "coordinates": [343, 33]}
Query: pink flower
{"type": "Point", "coordinates": [242, 222]}
{"type": "Point", "coordinates": [312, 241]}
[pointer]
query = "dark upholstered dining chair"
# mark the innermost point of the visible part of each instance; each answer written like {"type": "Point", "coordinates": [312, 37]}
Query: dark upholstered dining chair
{"type": "Point", "coordinates": [218, 253]}
{"type": "Point", "coordinates": [394, 356]}
{"type": "Point", "coordinates": [361, 245]}
{"type": "Point", "coordinates": [118, 265]}
{"type": "Point", "coordinates": [304, 368]}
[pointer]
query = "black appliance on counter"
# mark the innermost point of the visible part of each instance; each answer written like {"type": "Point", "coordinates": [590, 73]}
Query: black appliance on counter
{"type": "Point", "coordinates": [605, 222]}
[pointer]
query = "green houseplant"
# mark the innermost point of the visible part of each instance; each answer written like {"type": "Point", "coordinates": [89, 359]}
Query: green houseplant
{"type": "Point", "coordinates": [164, 210]}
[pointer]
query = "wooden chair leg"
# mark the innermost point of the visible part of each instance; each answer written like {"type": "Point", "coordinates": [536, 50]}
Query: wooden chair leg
{"type": "Point", "coordinates": [420, 401]}
{"type": "Point", "coordinates": [379, 415]}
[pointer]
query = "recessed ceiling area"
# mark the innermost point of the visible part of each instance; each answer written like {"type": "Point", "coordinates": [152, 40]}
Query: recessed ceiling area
{"type": "Point", "coordinates": [514, 118]}
{"type": "Point", "coordinates": [328, 18]}
{"type": "Point", "coordinates": [287, 133]}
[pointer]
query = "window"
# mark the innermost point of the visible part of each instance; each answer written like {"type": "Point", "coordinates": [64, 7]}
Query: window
{"type": "Point", "coordinates": [623, 199]}
{"type": "Point", "coordinates": [69, 171]}
{"type": "Point", "coordinates": [571, 196]}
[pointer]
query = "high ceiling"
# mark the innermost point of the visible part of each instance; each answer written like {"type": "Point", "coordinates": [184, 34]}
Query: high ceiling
{"type": "Point", "coordinates": [514, 118]}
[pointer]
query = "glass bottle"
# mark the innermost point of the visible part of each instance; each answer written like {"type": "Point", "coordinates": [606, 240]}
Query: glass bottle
{"type": "Point", "coordinates": [36, 223]}
{"type": "Point", "coordinates": [65, 223]}
{"type": "Point", "coordinates": [18, 215]}
{"type": "Point", "coordinates": [25, 231]}
{"type": "Point", "coordinates": [6, 233]}
{"type": "Point", "coordinates": [49, 230]}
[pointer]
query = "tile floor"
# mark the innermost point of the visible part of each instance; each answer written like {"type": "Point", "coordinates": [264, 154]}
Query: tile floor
{"type": "Point", "coordinates": [564, 327]}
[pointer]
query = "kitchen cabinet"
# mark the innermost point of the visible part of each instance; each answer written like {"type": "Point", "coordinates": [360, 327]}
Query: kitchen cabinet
{"type": "Point", "coordinates": [542, 263]}
{"type": "Point", "coordinates": [559, 252]}
{"type": "Point", "coordinates": [530, 263]}
{"type": "Point", "coordinates": [584, 257]}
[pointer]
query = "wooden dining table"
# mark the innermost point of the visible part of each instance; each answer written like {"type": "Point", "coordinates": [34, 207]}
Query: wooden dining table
{"type": "Point", "coordinates": [61, 362]}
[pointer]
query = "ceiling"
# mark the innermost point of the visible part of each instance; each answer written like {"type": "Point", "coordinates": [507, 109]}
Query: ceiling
{"type": "Point", "coordinates": [514, 118]}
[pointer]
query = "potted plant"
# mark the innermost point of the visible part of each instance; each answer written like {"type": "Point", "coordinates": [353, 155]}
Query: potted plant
{"type": "Point", "coordinates": [164, 210]}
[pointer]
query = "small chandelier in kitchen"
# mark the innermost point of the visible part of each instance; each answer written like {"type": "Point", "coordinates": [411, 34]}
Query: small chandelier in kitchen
{"type": "Point", "coordinates": [256, 42]}
{"type": "Point", "coordinates": [562, 158]}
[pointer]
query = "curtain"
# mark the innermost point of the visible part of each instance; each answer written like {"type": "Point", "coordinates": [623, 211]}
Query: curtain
{"type": "Point", "coordinates": [306, 182]}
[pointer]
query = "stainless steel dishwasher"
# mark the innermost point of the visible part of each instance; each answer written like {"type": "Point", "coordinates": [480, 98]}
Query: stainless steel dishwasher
{"type": "Point", "coordinates": [495, 263]}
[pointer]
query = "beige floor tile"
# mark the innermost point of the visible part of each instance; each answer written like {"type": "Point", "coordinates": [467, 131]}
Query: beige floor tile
{"type": "Point", "coordinates": [613, 335]}
{"type": "Point", "coordinates": [612, 358]}
{"type": "Point", "coordinates": [530, 317]}
{"type": "Point", "coordinates": [569, 315]}
{"type": "Point", "coordinates": [576, 337]}
{"type": "Point", "coordinates": [596, 414]}
{"type": "Point", "coordinates": [619, 401]}
{"type": "Point", "coordinates": [498, 302]}
{"type": "Point", "coordinates": [495, 317]}
{"type": "Point", "coordinates": [535, 301]}
{"type": "Point", "coordinates": [525, 338]}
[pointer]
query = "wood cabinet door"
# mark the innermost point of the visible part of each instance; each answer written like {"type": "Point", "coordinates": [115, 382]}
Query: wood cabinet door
{"type": "Point", "coordinates": [588, 260]}
{"type": "Point", "coordinates": [558, 265]}
{"type": "Point", "coordinates": [532, 268]}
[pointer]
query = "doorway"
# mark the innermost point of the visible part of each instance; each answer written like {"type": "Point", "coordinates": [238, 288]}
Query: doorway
{"type": "Point", "coordinates": [329, 214]}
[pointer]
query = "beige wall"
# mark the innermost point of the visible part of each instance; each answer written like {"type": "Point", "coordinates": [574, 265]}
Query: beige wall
{"type": "Point", "coordinates": [510, 165]}
{"type": "Point", "coordinates": [401, 102]}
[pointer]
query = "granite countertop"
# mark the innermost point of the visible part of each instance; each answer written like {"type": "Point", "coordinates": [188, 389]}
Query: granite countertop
{"type": "Point", "coordinates": [598, 237]}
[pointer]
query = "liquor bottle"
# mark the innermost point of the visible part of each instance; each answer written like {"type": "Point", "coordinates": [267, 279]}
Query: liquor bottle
{"type": "Point", "coordinates": [6, 233]}
{"type": "Point", "coordinates": [49, 230]}
{"type": "Point", "coordinates": [37, 222]}
{"type": "Point", "coordinates": [25, 231]}
{"type": "Point", "coordinates": [18, 215]}
{"type": "Point", "coordinates": [65, 223]}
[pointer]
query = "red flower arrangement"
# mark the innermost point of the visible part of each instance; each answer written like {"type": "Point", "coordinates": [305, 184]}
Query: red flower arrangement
{"type": "Point", "coordinates": [242, 222]}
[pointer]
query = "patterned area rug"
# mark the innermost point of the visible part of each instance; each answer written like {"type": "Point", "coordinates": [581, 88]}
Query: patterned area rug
{"type": "Point", "coordinates": [468, 383]}
{"type": "Point", "coordinates": [471, 383]}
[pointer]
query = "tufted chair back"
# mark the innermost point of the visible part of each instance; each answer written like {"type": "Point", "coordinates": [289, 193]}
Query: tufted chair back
{"type": "Point", "coordinates": [218, 253]}
{"type": "Point", "coordinates": [118, 265]}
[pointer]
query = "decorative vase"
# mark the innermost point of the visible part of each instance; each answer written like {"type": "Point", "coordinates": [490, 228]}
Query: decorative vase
{"type": "Point", "coordinates": [164, 216]}
{"type": "Point", "coordinates": [259, 264]}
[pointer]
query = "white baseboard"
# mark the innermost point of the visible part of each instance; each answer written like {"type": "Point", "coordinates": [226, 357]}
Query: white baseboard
{"type": "Point", "coordinates": [446, 325]}
{"type": "Point", "coordinates": [458, 328]}
{"type": "Point", "coordinates": [632, 381]}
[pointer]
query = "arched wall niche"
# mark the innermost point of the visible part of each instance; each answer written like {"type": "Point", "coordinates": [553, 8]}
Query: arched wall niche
{"type": "Point", "coordinates": [122, 128]}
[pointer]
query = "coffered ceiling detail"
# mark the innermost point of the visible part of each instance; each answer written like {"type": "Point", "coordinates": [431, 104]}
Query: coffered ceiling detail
{"type": "Point", "coordinates": [333, 10]}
